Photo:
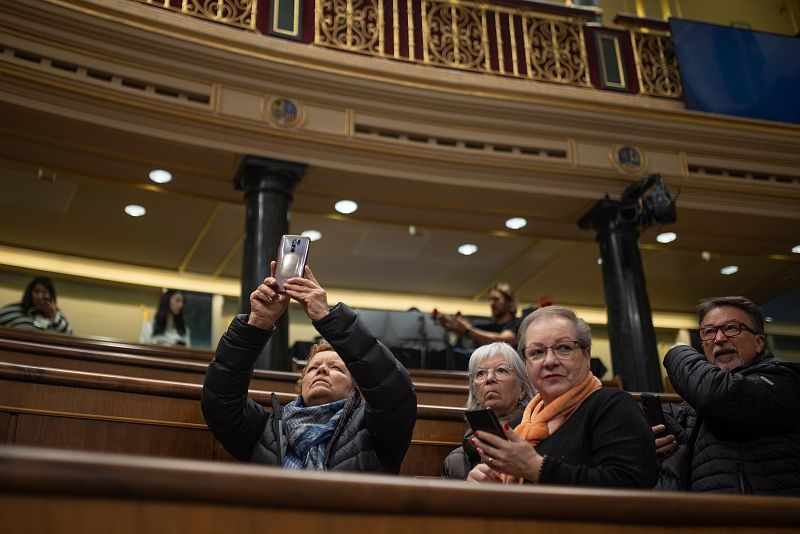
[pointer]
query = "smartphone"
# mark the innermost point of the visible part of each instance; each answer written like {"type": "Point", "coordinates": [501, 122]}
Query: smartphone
{"type": "Point", "coordinates": [651, 404]}
{"type": "Point", "coordinates": [291, 259]}
{"type": "Point", "coordinates": [484, 420]}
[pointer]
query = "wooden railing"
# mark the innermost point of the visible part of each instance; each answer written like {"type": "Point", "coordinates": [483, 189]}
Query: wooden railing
{"type": "Point", "coordinates": [44, 491]}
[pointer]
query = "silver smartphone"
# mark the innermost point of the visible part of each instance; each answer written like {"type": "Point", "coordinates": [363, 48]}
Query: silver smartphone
{"type": "Point", "coordinates": [292, 257]}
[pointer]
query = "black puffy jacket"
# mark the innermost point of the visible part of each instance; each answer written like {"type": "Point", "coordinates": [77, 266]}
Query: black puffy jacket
{"type": "Point", "coordinates": [374, 432]}
{"type": "Point", "coordinates": [738, 431]}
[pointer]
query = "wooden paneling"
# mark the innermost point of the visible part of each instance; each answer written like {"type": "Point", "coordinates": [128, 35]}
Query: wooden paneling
{"type": "Point", "coordinates": [44, 491]}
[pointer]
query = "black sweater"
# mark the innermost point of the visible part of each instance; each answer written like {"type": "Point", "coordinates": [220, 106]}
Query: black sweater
{"type": "Point", "coordinates": [606, 442]}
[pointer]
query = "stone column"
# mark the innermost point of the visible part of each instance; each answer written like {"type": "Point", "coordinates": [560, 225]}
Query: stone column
{"type": "Point", "coordinates": [268, 185]}
{"type": "Point", "coordinates": [630, 323]}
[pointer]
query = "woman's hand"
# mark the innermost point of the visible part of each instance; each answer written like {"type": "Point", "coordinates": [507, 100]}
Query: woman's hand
{"type": "Point", "coordinates": [47, 306]}
{"type": "Point", "coordinates": [266, 304]}
{"type": "Point", "coordinates": [513, 456]}
{"type": "Point", "coordinates": [665, 445]}
{"type": "Point", "coordinates": [309, 294]}
{"type": "Point", "coordinates": [482, 474]}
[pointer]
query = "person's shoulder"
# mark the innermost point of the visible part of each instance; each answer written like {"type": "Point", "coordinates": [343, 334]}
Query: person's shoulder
{"type": "Point", "coordinates": [14, 307]}
{"type": "Point", "coordinates": [611, 396]}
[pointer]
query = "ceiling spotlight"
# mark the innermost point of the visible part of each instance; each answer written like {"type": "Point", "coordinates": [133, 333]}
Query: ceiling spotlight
{"type": "Point", "coordinates": [706, 255]}
{"type": "Point", "coordinates": [599, 261]}
{"type": "Point", "coordinates": [468, 249]}
{"type": "Point", "coordinates": [769, 319]}
{"type": "Point", "coordinates": [346, 206]}
{"type": "Point", "coordinates": [666, 237]}
{"type": "Point", "coordinates": [135, 210]}
{"type": "Point", "coordinates": [515, 223]}
{"type": "Point", "coordinates": [312, 235]}
{"type": "Point", "coordinates": [729, 269]}
{"type": "Point", "coordinates": [796, 249]}
{"type": "Point", "coordinates": [160, 176]}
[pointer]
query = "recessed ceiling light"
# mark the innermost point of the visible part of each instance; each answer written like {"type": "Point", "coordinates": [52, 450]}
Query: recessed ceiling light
{"type": "Point", "coordinates": [706, 255]}
{"type": "Point", "coordinates": [160, 176]}
{"type": "Point", "coordinates": [796, 249]}
{"type": "Point", "coordinates": [599, 261]}
{"type": "Point", "coordinates": [666, 237]}
{"type": "Point", "coordinates": [135, 210]}
{"type": "Point", "coordinates": [468, 249]}
{"type": "Point", "coordinates": [768, 319]}
{"type": "Point", "coordinates": [729, 269]}
{"type": "Point", "coordinates": [515, 223]}
{"type": "Point", "coordinates": [313, 235]}
{"type": "Point", "coordinates": [346, 206]}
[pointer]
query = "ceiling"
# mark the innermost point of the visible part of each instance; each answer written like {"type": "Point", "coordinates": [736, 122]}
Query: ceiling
{"type": "Point", "coordinates": [63, 186]}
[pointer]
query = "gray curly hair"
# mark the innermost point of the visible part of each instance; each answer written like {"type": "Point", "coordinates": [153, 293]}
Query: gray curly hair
{"type": "Point", "coordinates": [511, 357]}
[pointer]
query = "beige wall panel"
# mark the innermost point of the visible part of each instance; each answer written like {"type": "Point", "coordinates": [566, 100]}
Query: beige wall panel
{"type": "Point", "coordinates": [325, 120]}
{"type": "Point", "coordinates": [667, 163]}
{"type": "Point", "coordinates": [591, 155]}
{"type": "Point", "coordinates": [240, 104]}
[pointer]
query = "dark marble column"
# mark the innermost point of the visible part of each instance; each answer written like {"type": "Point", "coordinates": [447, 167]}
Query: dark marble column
{"type": "Point", "coordinates": [268, 185]}
{"type": "Point", "coordinates": [630, 323]}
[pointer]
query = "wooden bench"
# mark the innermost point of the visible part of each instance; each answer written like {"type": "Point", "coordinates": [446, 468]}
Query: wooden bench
{"type": "Point", "coordinates": [42, 491]}
{"type": "Point", "coordinates": [99, 412]}
{"type": "Point", "coordinates": [167, 363]}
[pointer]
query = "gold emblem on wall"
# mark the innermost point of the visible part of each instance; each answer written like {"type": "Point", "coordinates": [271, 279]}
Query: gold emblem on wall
{"type": "Point", "coordinates": [629, 159]}
{"type": "Point", "coordinates": [283, 112]}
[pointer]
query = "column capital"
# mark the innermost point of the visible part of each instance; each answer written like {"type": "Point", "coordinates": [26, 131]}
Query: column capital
{"type": "Point", "coordinates": [256, 173]}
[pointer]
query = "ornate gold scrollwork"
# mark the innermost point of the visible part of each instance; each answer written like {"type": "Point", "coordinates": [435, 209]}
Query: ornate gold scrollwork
{"type": "Point", "coordinates": [556, 51]}
{"type": "Point", "coordinates": [657, 65]}
{"type": "Point", "coordinates": [239, 13]}
{"type": "Point", "coordinates": [353, 25]}
{"type": "Point", "coordinates": [455, 35]}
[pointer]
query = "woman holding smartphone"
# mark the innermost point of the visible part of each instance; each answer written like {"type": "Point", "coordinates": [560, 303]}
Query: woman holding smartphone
{"type": "Point", "coordinates": [329, 426]}
{"type": "Point", "coordinates": [574, 431]}
{"type": "Point", "coordinates": [498, 382]}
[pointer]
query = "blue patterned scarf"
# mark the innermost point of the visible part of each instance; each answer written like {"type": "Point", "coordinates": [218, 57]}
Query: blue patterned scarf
{"type": "Point", "coordinates": [308, 430]}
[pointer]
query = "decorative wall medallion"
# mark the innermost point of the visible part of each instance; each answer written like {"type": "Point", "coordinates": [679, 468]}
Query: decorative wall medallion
{"type": "Point", "coordinates": [284, 112]}
{"type": "Point", "coordinates": [629, 159]}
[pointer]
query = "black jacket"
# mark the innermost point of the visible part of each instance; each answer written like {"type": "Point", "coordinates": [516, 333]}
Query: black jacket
{"type": "Point", "coordinates": [374, 432]}
{"type": "Point", "coordinates": [738, 431]}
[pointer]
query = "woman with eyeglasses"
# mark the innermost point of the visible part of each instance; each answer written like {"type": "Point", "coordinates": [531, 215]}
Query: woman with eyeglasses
{"type": "Point", "coordinates": [574, 431]}
{"type": "Point", "coordinates": [498, 381]}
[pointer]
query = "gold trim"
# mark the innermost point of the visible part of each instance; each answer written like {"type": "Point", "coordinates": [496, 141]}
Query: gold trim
{"type": "Point", "coordinates": [264, 110]}
{"type": "Point", "coordinates": [604, 67]}
{"type": "Point", "coordinates": [640, 10]}
{"type": "Point", "coordinates": [275, 16]}
{"type": "Point", "coordinates": [381, 34]}
{"type": "Point", "coordinates": [199, 238]}
{"type": "Point", "coordinates": [485, 36]}
{"type": "Point", "coordinates": [665, 10]}
{"type": "Point", "coordinates": [396, 29]}
{"type": "Point", "coordinates": [512, 34]}
{"type": "Point", "coordinates": [98, 417]}
{"type": "Point", "coordinates": [410, 17]}
{"type": "Point", "coordinates": [683, 158]}
{"type": "Point", "coordinates": [613, 153]}
{"type": "Point", "coordinates": [501, 61]}
{"type": "Point", "coordinates": [425, 35]}
{"type": "Point", "coordinates": [492, 94]}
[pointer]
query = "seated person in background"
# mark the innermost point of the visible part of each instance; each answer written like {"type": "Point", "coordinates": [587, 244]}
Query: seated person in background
{"type": "Point", "coordinates": [738, 430]}
{"type": "Point", "coordinates": [503, 327]}
{"type": "Point", "coordinates": [329, 426]}
{"type": "Point", "coordinates": [498, 381]}
{"type": "Point", "coordinates": [38, 309]}
{"type": "Point", "coordinates": [574, 431]}
{"type": "Point", "coordinates": [168, 328]}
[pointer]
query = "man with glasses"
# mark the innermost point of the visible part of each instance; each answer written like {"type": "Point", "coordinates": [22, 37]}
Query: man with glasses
{"type": "Point", "coordinates": [738, 430]}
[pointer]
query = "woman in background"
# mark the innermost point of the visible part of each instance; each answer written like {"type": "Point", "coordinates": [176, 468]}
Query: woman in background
{"type": "Point", "coordinates": [168, 327]}
{"type": "Point", "coordinates": [38, 309]}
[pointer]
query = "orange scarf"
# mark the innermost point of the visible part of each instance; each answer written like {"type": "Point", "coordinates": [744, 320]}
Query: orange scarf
{"type": "Point", "coordinates": [534, 426]}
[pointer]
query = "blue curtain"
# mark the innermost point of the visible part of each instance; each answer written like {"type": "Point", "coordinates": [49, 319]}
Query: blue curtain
{"type": "Point", "coordinates": [738, 72]}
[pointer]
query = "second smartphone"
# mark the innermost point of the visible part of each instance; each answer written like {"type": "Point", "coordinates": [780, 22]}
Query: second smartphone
{"type": "Point", "coordinates": [291, 259]}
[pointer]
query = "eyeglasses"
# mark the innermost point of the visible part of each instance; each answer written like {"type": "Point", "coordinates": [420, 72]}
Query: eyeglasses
{"type": "Point", "coordinates": [501, 374]}
{"type": "Point", "coordinates": [563, 350]}
{"type": "Point", "coordinates": [731, 329]}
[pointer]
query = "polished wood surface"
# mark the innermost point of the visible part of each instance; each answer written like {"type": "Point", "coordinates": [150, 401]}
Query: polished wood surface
{"type": "Point", "coordinates": [44, 491]}
{"type": "Point", "coordinates": [58, 351]}
{"type": "Point", "coordinates": [98, 412]}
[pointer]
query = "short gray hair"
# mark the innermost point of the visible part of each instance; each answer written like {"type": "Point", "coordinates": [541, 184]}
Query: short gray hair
{"type": "Point", "coordinates": [754, 312]}
{"type": "Point", "coordinates": [508, 353]}
{"type": "Point", "coordinates": [583, 332]}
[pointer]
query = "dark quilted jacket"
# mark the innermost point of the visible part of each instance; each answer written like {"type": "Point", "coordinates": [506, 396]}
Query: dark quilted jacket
{"type": "Point", "coordinates": [738, 431]}
{"type": "Point", "coordinates": [374, 433]}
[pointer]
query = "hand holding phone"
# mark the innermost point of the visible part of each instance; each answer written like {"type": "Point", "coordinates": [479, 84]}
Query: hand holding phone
{"type": "Point", "coordinates": [651, 404]}
{"type": "Point", "coordinates": [291, 259]}
{"type": "Point", "coordinates": [484, 420]}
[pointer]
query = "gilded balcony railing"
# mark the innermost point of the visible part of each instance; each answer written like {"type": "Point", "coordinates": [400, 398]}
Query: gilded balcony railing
{"type": "Point", "coordinates": [656, 64]}
{"type": "Point", "coordinates": [465, 35]}
{"type": "Point", "coordinates": [238, 13]}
